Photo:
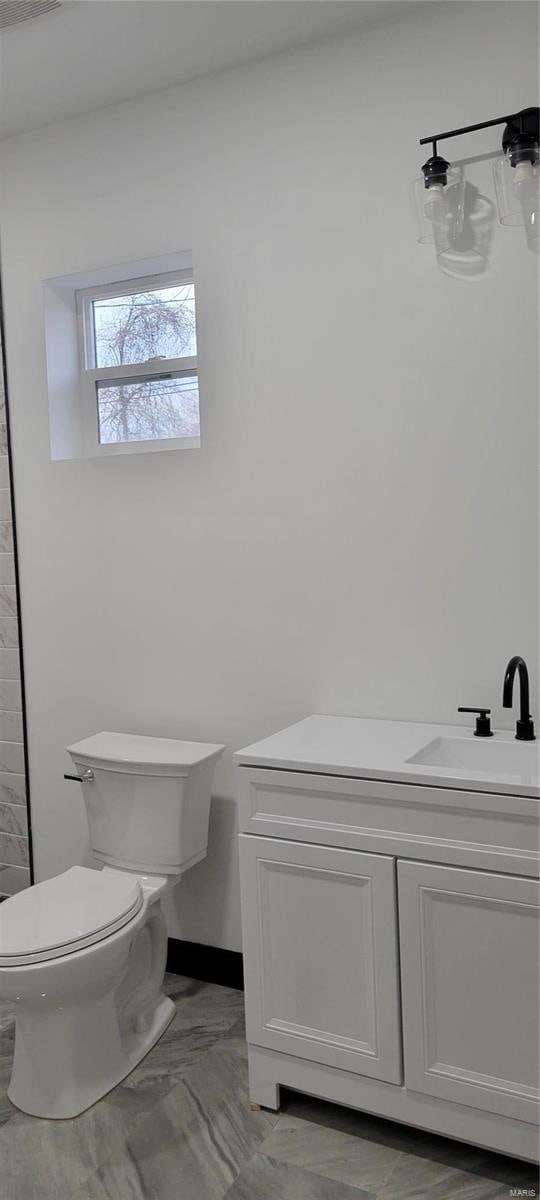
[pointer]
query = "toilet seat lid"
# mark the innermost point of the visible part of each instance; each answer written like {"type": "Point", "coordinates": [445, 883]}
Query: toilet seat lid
{"type": "Point", "coordinates": [65, 914]}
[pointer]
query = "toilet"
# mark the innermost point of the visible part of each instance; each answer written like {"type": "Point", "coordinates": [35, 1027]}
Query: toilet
{"type": "Point", "coordinates": [82, 955]}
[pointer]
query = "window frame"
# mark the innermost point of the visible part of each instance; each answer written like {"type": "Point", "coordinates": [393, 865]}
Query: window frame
{"type": "Point", "coordinates": [91, 375]}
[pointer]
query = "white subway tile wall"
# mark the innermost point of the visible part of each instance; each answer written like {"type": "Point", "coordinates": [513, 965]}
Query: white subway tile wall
{"type": "Point", "coordinates": [14, 846]}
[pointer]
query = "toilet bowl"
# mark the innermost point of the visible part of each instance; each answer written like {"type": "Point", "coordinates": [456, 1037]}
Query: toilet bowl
{"type": "Point", "coordinates": [82, 955]}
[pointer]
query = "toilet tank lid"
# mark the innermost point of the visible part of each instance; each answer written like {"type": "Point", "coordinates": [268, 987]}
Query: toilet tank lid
{"type": "Point", "coordinates": [141, 755]}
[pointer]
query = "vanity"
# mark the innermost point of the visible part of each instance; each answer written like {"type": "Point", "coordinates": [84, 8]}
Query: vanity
{"type": "Point", "coordinates": [390, 910]}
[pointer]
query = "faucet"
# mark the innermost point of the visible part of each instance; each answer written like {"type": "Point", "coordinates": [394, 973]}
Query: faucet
{"type": "Point", "coordinates": [524, 727]}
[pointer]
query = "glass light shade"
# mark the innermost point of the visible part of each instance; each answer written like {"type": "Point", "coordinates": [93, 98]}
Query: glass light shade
{"type": "Point", "coordinates": [518, 194]}
{"type": "Point", "coordinates": [439, 210]}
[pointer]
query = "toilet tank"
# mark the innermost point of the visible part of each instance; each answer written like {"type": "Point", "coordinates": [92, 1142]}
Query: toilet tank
{"type": "Point", "coordinates": [147, 799]}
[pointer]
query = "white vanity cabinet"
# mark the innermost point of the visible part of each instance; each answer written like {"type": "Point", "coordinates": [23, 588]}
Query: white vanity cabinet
{"type": "Point", "coordinates": [469, 977]}
{"type": "Point", "coordinates": [391, 935]}
{"type": "Point", "coordinates": [321, 955]}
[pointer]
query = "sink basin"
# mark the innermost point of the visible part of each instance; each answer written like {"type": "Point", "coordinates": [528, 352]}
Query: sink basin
{"type": "Point", "coordinates": [486, 755]}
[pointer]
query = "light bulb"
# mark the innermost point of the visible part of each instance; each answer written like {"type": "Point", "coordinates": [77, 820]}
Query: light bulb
{"type": "Point", "coordinates": [434, 202]}
{"type": "Point", "coordinates": [517, 187]}
{"type": "Point", "coordinates": [525, 190]}
{"type": "Point", "coordinates": [439, 208]}
{"type": "Point", "coordinates": [523, 177]}
{"type": "Point", "coordinates": [437, 212]}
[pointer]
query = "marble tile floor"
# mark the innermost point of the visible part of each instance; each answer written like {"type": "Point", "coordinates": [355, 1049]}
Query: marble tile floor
{"type": "Point", "coordinates": [180, 1128]}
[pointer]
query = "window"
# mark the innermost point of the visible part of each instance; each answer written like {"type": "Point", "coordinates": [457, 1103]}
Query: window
{"type": "Point", "coordinates": [138, 350]}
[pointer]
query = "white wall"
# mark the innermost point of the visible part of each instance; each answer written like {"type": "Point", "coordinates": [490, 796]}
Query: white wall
{"type": "Point", "coordinates": [358, 532]}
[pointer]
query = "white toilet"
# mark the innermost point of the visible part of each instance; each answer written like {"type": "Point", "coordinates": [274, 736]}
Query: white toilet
{"type": "Point", "coordinates": [82, 956]}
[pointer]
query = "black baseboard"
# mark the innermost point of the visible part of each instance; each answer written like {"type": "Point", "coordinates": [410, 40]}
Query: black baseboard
{"type": "Point", "coordinates": [208, 963]}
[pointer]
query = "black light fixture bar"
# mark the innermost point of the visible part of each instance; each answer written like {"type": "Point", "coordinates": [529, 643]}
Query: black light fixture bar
{"type": "Point", "coordinates": [439, 137]}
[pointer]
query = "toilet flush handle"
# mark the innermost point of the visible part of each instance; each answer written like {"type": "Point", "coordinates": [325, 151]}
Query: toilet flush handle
{"type": "Point", "coordinates": [86, 777]}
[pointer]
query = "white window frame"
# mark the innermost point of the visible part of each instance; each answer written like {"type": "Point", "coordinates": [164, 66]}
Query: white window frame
{"type": "Point", "coordinates": [90, 374]}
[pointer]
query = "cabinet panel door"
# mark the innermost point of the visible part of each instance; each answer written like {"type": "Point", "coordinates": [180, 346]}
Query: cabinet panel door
{"type": "Point", "coordinates": [469, 971]}
{"type": "Point", "coordinates": [320, 954]}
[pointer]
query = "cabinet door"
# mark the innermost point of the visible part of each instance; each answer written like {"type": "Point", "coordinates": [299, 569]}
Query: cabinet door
{"type": "Point", "coordinates": [469, 971]}
{"type": "Point", "coordinates": [320, 954]}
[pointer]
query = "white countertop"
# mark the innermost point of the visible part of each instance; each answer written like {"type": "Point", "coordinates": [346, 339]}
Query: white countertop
{"type": "Point", "coordinates": [376, 749]}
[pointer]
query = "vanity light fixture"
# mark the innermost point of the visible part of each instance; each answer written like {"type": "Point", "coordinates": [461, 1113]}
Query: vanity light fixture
{"type": "Point", "coordinates": [439, 191]}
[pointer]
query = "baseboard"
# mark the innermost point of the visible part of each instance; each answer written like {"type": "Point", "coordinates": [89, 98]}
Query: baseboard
{"type": "Point", "coordinates": [209, 963]}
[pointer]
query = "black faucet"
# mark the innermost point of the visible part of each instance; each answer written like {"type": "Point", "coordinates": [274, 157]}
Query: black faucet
{"type": "Point", "coordinates": [524, 727]}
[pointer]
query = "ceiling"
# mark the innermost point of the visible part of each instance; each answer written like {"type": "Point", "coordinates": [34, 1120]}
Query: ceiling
{"type": "Point", "coordinates": [87, 54]}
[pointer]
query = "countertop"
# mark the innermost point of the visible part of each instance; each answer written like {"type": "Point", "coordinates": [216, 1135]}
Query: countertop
{"type": "Point", "coordinates": [377, 749]}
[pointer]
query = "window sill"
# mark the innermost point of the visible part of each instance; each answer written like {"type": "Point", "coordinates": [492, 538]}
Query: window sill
{"type": "Point", "coordinates": [142, 447]}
